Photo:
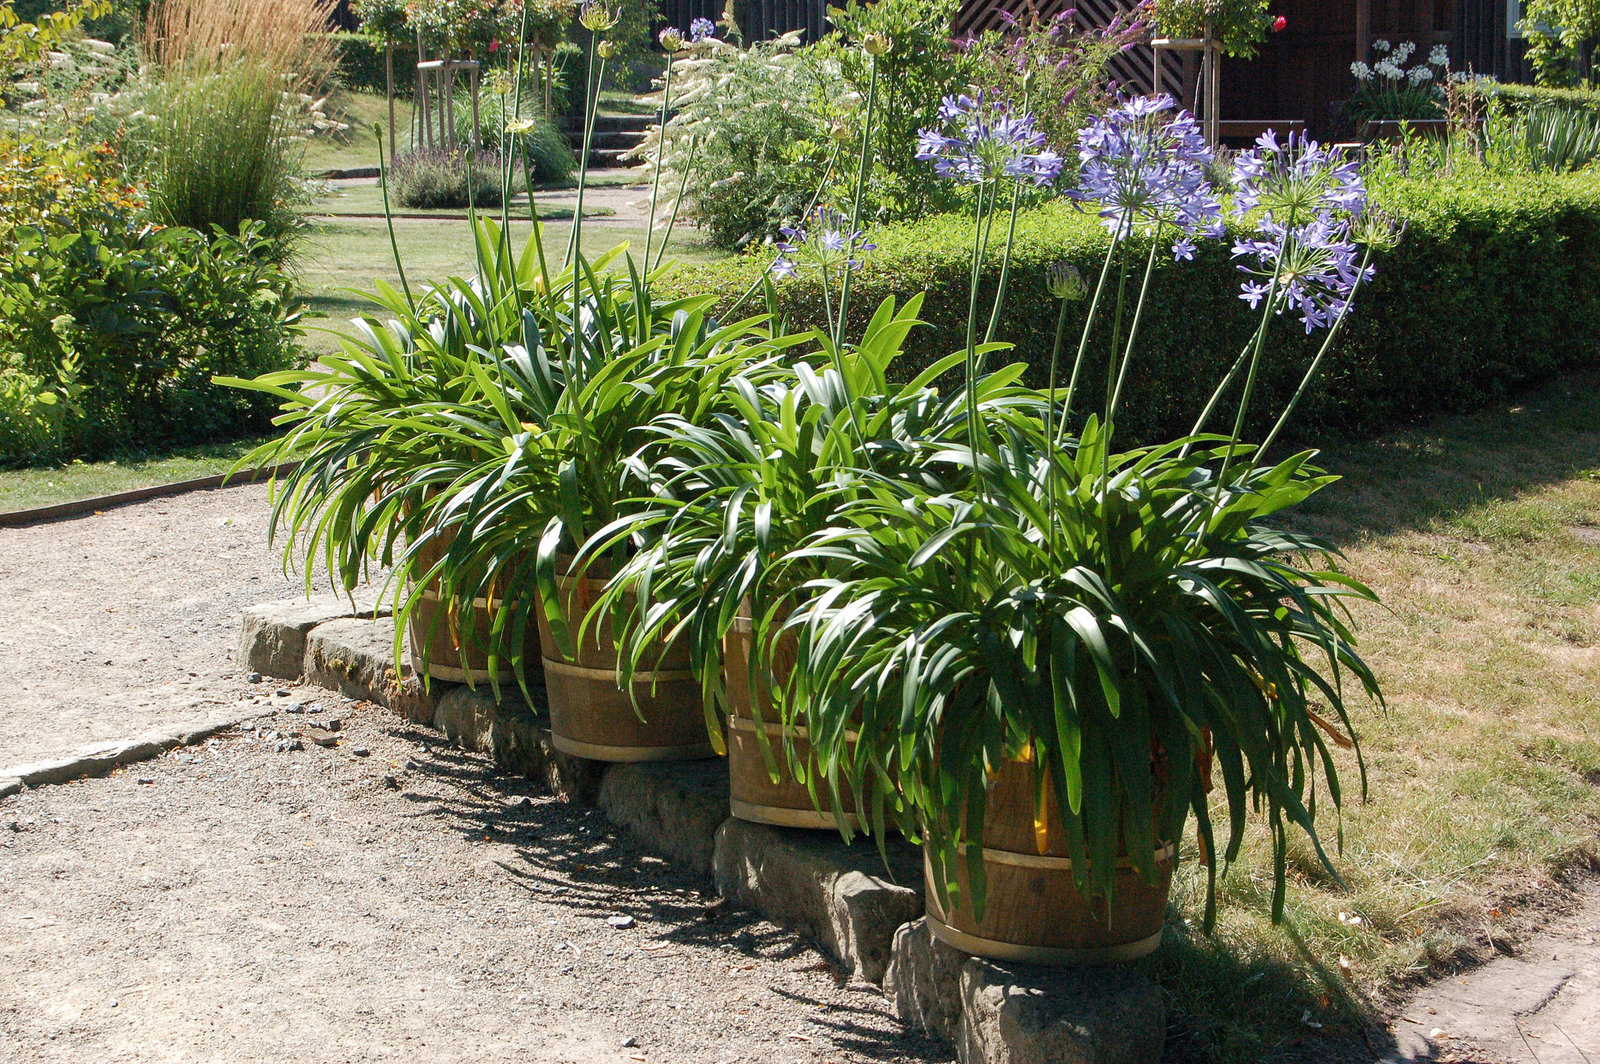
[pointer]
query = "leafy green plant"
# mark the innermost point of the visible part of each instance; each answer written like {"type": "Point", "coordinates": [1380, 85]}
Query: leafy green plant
{"type": "Point", "coordinates": [1559, 32]}
{"type": "Point", "coordinates": [529, 137]}
{"type": "Point", "coordinates": [1238, 25]}
{"type": "Point", "coordinates": [1559, 139]}
{"type": "Point", "coordinates": [127, 323]}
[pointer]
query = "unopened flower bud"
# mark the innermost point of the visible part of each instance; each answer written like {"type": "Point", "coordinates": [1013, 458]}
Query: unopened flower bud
{"type": "Point", "coordinates": [607, 49]}
{"type": "Point", "coordinates": [1065, 282]}
{"type": "Point", "coordinates": [671, 40]}
{"type": "Point", "coordinates": [877, 44]}
{"type": "Point", "coordinates": [596, 17]}
{"type": "Point", "coordinates": [841, 133]}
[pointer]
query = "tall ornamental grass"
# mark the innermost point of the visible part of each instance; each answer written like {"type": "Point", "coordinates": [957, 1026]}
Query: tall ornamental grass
{"type": "Point", "coordinates": [231, 80]}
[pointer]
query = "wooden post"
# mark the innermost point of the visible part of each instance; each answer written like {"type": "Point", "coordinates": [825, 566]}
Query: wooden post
{"type": "Point", "coordinates": [477, 128]}
{"type": "Point", "coordinates": [447, 113]}
{"type": "Point", "coordinates": [424, 123]}
{"type": "Point", "coordinates": [1363, 30]}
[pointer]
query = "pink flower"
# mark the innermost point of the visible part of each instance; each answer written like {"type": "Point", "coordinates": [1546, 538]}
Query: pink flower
{"type": "Point", "coordinates": [494, 45]}
{"type": "Point", "coordinates": [1280, 24]}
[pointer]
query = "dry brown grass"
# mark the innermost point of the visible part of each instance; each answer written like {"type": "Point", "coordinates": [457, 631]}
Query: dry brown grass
{"type": "Point", "coordinates": [286, 37]}
{"type": "Point", "coordinates": [1480, 535]}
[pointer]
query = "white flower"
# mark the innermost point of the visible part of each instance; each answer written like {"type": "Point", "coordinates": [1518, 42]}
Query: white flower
{"type": "Point", "coordinates": [1439, 57]}
{"type": "Point", "coordinates": [1402, 53]}
{"type": "Point", "coordinates": [1381, 45]}
{"type": "Point", "coordinates": [1389, 70]}
{"type": "Point", "coordinates": [1361, 71]}
{"type": "Point", "coordinates": [1419, 74]}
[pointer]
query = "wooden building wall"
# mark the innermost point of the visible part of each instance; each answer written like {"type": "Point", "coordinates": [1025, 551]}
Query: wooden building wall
{"type": "Point", "coordinates": [759, 19]}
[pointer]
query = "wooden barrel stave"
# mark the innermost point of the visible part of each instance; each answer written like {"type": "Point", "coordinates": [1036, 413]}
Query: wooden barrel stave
{"type": "Point", "coordinates": [1034, 912]}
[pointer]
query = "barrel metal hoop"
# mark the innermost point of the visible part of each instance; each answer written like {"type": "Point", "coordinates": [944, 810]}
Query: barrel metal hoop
{"type": "Point", "coordinates": [1012, 951]}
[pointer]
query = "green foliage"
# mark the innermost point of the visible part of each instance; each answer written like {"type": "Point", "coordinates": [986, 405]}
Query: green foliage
{"type": "Point", "coordinates": [1060, 69]}
{"type": "Point", "coordinates": [126, 324]}
{"type": "Point", "coordinates": [1559, 32]}
{"type": "Point", "coordinates": [1518, 98]}
{"type": "Point", "coordinates": [1490, 290]}
{"type": "Point", "coordinates": [428, 180]}
{"type": "Point", "coordinates": [528, 137]}
{"type": "Point", "coordinates": [1240, 25]}
{"type": "Point", "coordinates": [360, 63]}
{"type": "Point", "coordinates": [749, 133]}
{"type": "Point", "coordinates": [1559, 139]}
{"type": "Point", "coordinates": [224, 120]}
{"type": "Point", "coordinates": [382, 21]}
{"type": "Point", "coordinates": [25, 42]}
{"type": "Point", "coordinates": [914, 76]}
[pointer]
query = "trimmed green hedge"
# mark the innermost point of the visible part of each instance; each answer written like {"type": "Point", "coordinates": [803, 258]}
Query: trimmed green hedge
{"type": "Point", "coordinates": [1496, 284]}
{"type": "Point", "coordinates": [1519, 98]}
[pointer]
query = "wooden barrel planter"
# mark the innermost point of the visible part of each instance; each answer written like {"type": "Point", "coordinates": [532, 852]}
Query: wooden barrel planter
{"type": "Point", "coordinates": [440, 650]}
{"type": "Point", "coordinates": [590, 716]}
{"type": "Point", "coordinates": [1034, 913]}
{"type": "Point", "coordinates": [753, 794]}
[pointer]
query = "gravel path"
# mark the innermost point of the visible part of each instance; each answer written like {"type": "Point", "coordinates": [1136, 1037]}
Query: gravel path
{"type": "Point", "coordinates": [237, 902]}
{"type": "Point", "coordinates": [264, 898]}
{"type": "Point", "coordinates": [121, 622]}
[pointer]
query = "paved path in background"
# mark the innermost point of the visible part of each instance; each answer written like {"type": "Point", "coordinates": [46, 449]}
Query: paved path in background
{"type": "Point", "coordinates": [1539, 1007]}
{"type": "Point", "coordinates": [123, 622]}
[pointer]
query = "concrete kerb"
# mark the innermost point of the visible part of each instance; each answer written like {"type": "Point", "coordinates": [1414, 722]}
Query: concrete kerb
{"type": "Point", "coordinates": [867, 917]}
{"type": "Point", "coordinates": [102, 758]}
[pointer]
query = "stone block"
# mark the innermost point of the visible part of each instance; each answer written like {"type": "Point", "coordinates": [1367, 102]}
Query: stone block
{"type": "Point", "coordinates": [10, 786]}
{"type": "Point", "coordinates": [842, 896]}
{"type": "Point", "coordinates": [273, 639]}
{"type": "Point", "coordinates": [1017, 1014]}
{"type": "Point", "coordinates": [355, 657]}
{"type": "Point", "coordinates": [517, 738]}
{"type": "Point", "coordinates": [923, 981]}
{"type": "Point", "coordinates": [96, 760]}
{"type": "Point", "coordinates": [1024, 1014]}
{"type": "Point", "coordinates": [673, 808]}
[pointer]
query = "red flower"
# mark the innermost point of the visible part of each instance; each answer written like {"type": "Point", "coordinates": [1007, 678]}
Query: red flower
{"type": "Point", "coordinates": [494, 46]}
{"type": "Point", "coordinates": [1280, 24]}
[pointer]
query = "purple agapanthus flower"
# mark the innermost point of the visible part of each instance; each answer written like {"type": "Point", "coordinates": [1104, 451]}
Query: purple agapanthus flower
{"type": "Point", "coordinates": [702, 28]}
{"type": "Point", "coordinates": [823, 241]}
{"type": "Point", "coordinates": [1296, 180]}
{"type": "Point", "coordinates": [980, 141]}
{"type": "Point", "coordinates": [1146, 171]}
{"type": "Point", "coordinates": [1305, 252]}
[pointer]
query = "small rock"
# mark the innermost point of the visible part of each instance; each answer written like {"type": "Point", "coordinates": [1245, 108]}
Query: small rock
{"type": "Point", "coordinates": [391, 783]}
{"type": "Point", "coordinates": [322, 737]}
{"type": "Point", "coordinates": [315, 707]}
{"type": "Point", "coordinates": [620, 921]}
{"type": "Point", "coordinates": [282, 692]}
{"type": "Point", "coordinates": [112, 1003]}
{"type": "Point", "coordinates": [296, 744]}
{"type": "Point", "coordinates": [525, 802]}
{"type": "Point", "coordinates": [360, 751]}
{"type": "Point", "coordinates": [145, 781]}
{"type": "Point", "coordinates": [254, 677]}
{"type": "Point", "coordinates": [332, 723]}
{"type": "Point", "coordinates": [294, 707]}
{"type": "Point", "coordinates": [630, 1042]}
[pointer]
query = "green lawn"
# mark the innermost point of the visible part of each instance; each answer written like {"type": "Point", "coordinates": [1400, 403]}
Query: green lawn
{"type": "Point", "coordinates": [1482, 536]}
{"type": "Point", "coordinates": [344, 254]}
{"type": "Point", "coordinates": [366, 199]}
{"type": "Point", "coordinates": [28, 489]}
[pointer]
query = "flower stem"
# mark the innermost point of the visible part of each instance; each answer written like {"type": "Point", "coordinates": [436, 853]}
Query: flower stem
{"type": "Point", "coordinates": [661, 145]}
{"type": "Point", "coordinates": [388, 218]}
{"type": "Point", "coordinates": [1133, 328]}
{"type": "Point", "coordinates": [855, 213]}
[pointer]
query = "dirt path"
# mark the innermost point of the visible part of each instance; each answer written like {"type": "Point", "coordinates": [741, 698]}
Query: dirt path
{"type": "Point", "coordinates": [119, 623]}
{"type": "Point", "coordinates": [235, 902]}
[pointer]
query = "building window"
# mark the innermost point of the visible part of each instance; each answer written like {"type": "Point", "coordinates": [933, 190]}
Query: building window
{"type": "Point", "coordinates": [1514, 19]}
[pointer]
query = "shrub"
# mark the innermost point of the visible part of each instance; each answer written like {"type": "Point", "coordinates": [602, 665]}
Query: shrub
{"type": "Point", "coordinates": [921, 68]}
{"type": "Point", "coordinates": [1519, 98]}
{"type": "Point", "coordinates": [125, 324]}
{"type": "Point", "coordinates": [750, 122]}
{"type": "Point", "coordinates": [429, 180]}
{"type": "Point", "coordinates": [224, 124]}
{"type": "Point", "coordinates": [1492, 288]}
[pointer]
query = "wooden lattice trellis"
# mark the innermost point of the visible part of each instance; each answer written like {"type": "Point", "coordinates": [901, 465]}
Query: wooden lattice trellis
{"type": "Point", "coordinates": [1132, 69]}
